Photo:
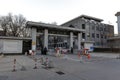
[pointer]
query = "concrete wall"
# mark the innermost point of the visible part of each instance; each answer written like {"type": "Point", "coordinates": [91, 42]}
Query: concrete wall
{"type": "Point", "coordinates": [11, 46]}
{"type": "Point", "coordinates": [1, 46]}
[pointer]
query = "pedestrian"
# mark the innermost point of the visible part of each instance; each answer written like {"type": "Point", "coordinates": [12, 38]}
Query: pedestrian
{"type": "Point", "coordinates": [71, 50]}
{"type": "Point", "coordinates": [45, 51]}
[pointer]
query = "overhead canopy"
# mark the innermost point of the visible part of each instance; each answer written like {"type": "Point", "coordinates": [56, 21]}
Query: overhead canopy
{"type": "Point", "coordinates": [40, 25]}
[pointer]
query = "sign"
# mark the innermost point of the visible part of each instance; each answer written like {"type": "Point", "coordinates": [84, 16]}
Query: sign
{"type": "Point", "coordinates": [33, 43]}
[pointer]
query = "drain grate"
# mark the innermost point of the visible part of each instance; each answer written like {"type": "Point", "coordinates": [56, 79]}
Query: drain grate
{"type": "Point", "coordinates": [60, 72]}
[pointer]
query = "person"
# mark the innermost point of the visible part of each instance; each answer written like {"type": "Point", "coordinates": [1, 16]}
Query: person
{"type": "Point", "coordinates": [45, 51]}
{"type": "Point", "coordinates": [71, 50]}
{"type": "Point", "coordinates": [42, 52]}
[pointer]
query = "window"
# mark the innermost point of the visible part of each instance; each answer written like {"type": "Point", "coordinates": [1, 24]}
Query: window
{"type": "Point", "coordinates": [71, 26]}
{"type": "Point", "coordinates": [93, 35]}
{"type": "Point", "coordinates": [101, 28]}
{"type": "Point", "coordinates": [83, 26]}
{"type": "Point", "coordinates": [83, 35]}
{"type": "Point", "coordinates": [97, 28]}
{"type": "Point", "coordinates": [97, 35]}
{"type": "Point", "coordinates": [104, 29]}
{"type": "Point", "coordinates": [101, 36]}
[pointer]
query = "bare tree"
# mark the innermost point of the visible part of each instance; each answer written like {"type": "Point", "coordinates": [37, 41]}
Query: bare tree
{"type": "Point", "coordinates": [13, 25]}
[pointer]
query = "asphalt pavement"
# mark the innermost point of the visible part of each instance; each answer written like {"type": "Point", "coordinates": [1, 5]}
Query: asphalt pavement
{"type": "Point", "coordinates": [68, 67]}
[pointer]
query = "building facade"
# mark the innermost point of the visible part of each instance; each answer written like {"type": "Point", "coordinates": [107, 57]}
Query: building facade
{"type": "Point", "coordinates": [118, 21]}
{"type": "Point", "coordinates": [95, 30]}
{"type": "Point", "coordinates": [52, 36]}
{"type": "Point", "coordinates": [113, 42]}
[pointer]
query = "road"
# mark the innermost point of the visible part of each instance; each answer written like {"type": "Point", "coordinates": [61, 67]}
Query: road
{"type": "Point", "coordinates": [74, 68]}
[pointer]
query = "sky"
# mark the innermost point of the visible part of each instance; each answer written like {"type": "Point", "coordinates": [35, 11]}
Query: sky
{"type": "Point", "coordinates": [60, 11]}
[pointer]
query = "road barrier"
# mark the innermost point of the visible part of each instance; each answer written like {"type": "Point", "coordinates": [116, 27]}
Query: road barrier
{"type": "Point", "coordinates": [42, 60]}
{"type": "Point", "coordinates": [46, 63]}
{"type": "Point", "coordinates": [88, 56]}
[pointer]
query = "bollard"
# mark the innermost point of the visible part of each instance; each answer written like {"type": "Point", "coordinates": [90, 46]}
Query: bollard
{"type": "Point", "coordinates": [46, 63]}
{"type": "Point", "coordinates": [14, 66]}
{"type": "Point", "coordinates": [41, 60]}
{"type": "Point", "coordinates": [80, 57]}
{"type": "Point", "coordinates": [35, 63]}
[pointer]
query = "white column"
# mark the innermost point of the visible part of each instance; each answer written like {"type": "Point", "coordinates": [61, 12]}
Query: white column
{"type": "Point", "coordinates": [71, 40]}
{"type": "Point", "coordinates": [118, 23]}
{"type": "Point", "coordinates": [33, 31]}
{"type": "Point", "coordinates": [79, 41]}
{"type": "Point", "coordinates": [46, 38]}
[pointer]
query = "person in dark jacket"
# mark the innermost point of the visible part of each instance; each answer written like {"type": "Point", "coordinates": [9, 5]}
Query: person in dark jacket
{"type": "Point", "coordinates": [71, 50]}
{"type": "Point", "coordinates": [45, 51]}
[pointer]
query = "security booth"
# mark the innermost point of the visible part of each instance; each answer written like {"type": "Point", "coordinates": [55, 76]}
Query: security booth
{"type": "Point", "coordinates": [88, 45]}
{"type": "Point", "coordinates": [14, 45]}
{"type": "Point", "coordinates": [52, 36]}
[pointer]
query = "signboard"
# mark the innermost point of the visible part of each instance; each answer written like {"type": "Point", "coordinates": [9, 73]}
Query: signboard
{"type": "Point", "coordinates": [12, 46]}
{"type": "Point", "coordinates": [33, 43]}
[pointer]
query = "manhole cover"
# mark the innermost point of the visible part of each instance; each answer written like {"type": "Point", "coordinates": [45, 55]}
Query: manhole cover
{"type": "Point", "coordinates": [60, 73]}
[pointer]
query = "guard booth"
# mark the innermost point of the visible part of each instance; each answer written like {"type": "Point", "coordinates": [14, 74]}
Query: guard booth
{"type": "Point", "coordinates": [14, 45]}
{"type": "Point", "coordinates": [26, 46]}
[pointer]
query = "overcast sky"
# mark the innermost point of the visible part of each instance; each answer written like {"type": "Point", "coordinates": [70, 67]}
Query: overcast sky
{"type": "Point", "coordinates": [60, 11]}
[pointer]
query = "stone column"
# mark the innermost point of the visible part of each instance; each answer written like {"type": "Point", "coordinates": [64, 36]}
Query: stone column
{"type": "Point", "coordinates": [118, 21]}
{"type": "Point", "coordinates": [46, 38]}
{"type": "Point", "coordinates": [79, 41]}
{"type": "Point", "coordinates": [71, 40]}
{"type": "Point", "coordinates": [33, 33]}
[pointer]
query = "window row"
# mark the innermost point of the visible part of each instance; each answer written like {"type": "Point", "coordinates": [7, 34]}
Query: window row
{"type": "Point", "coordinates": [101, 28]}
{"type": "Point", "coordinates": [99, 35]}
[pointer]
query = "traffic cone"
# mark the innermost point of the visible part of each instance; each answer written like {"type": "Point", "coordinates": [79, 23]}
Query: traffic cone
{"type": "Point", "coordinates": [35, 63]}
{"type": "Point", "coordinates": [14, 66]}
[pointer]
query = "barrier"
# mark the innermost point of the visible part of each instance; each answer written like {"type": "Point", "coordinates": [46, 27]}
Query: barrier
{"type": "Point", "coordinates": [42, 60]}
{"type": "Point", "coordinates": [46, 63]}
{"type": "Point", "coordinates": [88, 56]}
{"type": "Point", "coordinates": [85, 52]}
{"type": "Point", "coordinates": [35, 63]}
{"type": "Point", "coordinates": [57, 52]}
{"type": "Point", "coordinates": [14, 66]}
